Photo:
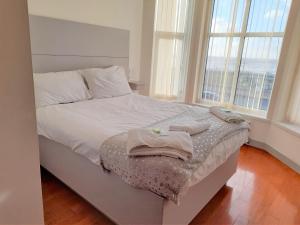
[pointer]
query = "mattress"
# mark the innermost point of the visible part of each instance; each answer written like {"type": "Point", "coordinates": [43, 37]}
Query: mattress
{"type": "Point", "coordinates": [84, 126]}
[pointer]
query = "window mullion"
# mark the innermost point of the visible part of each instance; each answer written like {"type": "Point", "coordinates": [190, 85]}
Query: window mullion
{"type": "Point", "coordinates": [240, 52]}
{"type": "Point", "coordinates": [229, 34]}
{"type": "Point", "coordinates": [248, 34]}
{"type": "Point", "coordinates": [264, 34]}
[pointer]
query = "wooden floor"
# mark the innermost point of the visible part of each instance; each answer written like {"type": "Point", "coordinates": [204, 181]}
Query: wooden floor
{"type": "Point", "coordinates": [263, 191]}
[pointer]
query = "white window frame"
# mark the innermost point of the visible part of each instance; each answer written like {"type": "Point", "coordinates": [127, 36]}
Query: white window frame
{"type": "Point", "coordinates": [197, 96]}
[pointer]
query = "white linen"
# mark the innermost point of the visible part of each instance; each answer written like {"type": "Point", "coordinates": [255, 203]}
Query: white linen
{"type": "Point", "coordinates": [191, 127]}
{"type": "Point", "coordinates": [226, 115]}
{"type": "Point", "coordinates": [146, 142]}
{"type": "Point", "coordinates": [59, 87]}
{"type": "Point", "coordinates": [84, 126]}
{"type": "Point", "coordinates": [108, 82]}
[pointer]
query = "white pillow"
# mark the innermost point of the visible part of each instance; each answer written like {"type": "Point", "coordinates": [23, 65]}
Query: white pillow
{"type": "Point", "coordinates": [106, 83]}
{"type": "Point", "coordinates": [60, 87]}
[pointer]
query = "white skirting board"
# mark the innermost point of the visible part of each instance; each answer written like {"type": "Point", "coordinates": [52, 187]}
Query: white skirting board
{"type": "Point", "coordinates": [123, 203]}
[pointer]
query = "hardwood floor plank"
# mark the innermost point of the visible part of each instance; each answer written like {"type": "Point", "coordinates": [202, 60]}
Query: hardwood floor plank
{"type": "Point", "coordinates": [263, 191]}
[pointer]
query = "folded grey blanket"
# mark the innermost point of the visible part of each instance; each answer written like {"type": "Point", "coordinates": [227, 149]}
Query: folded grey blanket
{"type": "Point", "coordinates": [166, 176]}
{"type": "Point", "coordinates": [226, 115]}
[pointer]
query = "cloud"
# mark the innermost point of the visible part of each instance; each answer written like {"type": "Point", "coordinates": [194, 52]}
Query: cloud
{"type": "Point", "coordinates": [220, 25]}
{"type": "Point", "coordinates": [272, 14]}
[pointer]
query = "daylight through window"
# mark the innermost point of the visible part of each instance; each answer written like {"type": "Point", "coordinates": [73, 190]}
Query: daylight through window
{"type": "Point", "coordinates": [244, 45]}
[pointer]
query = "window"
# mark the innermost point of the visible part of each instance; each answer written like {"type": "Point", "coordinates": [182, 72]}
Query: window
{"type": "Point", "coordinates": [172, 33]}
{"type": "Point", "coordinates": [245, 38]}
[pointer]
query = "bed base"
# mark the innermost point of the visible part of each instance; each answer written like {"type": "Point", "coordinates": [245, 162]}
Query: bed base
{"type": "Point", "coordinates": [121, 202]}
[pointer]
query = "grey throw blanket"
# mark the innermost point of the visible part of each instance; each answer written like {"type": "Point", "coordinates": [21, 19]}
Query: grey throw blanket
{"type": "Point", "coordinates": [166, 176]}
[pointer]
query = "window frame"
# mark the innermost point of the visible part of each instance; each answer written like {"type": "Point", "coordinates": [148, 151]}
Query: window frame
{"type": "Point", "coordinates": [203, 56]}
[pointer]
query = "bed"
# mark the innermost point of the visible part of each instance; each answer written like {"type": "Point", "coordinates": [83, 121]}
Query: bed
{"type": "Point", "coordinates": [71, 135]}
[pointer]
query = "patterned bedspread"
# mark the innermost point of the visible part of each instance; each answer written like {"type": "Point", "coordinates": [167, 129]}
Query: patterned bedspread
{"type": "Point", "coordinates": [166, 176]}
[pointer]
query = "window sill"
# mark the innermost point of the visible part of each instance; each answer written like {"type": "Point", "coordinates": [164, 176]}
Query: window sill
{"type": "Point", "coordinates": [289, 127]}
{"type": "Point", "coordinates": [253, 116]}
{"type": "Point", "coordinates": [248, 115]}
{"type": "Point", "coordinates": [286, 126]}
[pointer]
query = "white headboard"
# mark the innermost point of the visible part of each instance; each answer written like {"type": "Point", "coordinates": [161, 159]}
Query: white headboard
{"type": "Point", "coordinates": [59, 45]}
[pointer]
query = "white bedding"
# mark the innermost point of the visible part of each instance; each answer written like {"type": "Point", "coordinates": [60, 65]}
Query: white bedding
{"type": "Point", "coordinates": [84, 126]}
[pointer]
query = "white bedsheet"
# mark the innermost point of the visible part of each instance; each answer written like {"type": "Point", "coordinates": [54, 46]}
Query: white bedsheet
{"type": "Point", "coordinates": [84, 126]}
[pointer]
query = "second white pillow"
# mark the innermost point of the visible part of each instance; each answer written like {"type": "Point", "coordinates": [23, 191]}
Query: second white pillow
{"type": "Point", "coordinates": [108, 82]}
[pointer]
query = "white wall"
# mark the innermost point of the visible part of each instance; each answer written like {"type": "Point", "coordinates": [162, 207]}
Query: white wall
{"type": "Point", "coordinates": [285, 142]}
{"type": "Point", "coordinates": [124, 14]}
{"type": "Point", "coordinates": [147, 44]}
{"type": "Point", "coordinates": [279, 136]}
{"type": "Point", "coordinates": [275, 132]}
{"type": "Point", "coordinates": [20, 184]}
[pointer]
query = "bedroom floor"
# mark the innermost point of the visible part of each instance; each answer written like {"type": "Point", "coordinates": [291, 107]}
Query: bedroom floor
{"type": "Point", "coordinates": [263, 191]}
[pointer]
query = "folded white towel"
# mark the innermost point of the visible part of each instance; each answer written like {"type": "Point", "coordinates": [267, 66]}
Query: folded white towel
{"type": "Point", "coordinates": [191, 127]}
{"type": "Point", "coordinates": [226, 115]}
{"type": "Point", "coordinates": [146, 142]}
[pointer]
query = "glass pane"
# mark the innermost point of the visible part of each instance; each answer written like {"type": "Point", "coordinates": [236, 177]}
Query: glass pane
{"type": "Point", "coordinates": [268, 15]}
{"type": "Point", "coordinates": [257, 72]}
{"type": "Point", "coordinates": [220, 67]}
{"type": "Point", "coordinates": [168, 79]}
{"type": "Point", "coordinates": [228, 16]}
{"type": "Point", "coordinates": [170, 15]}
